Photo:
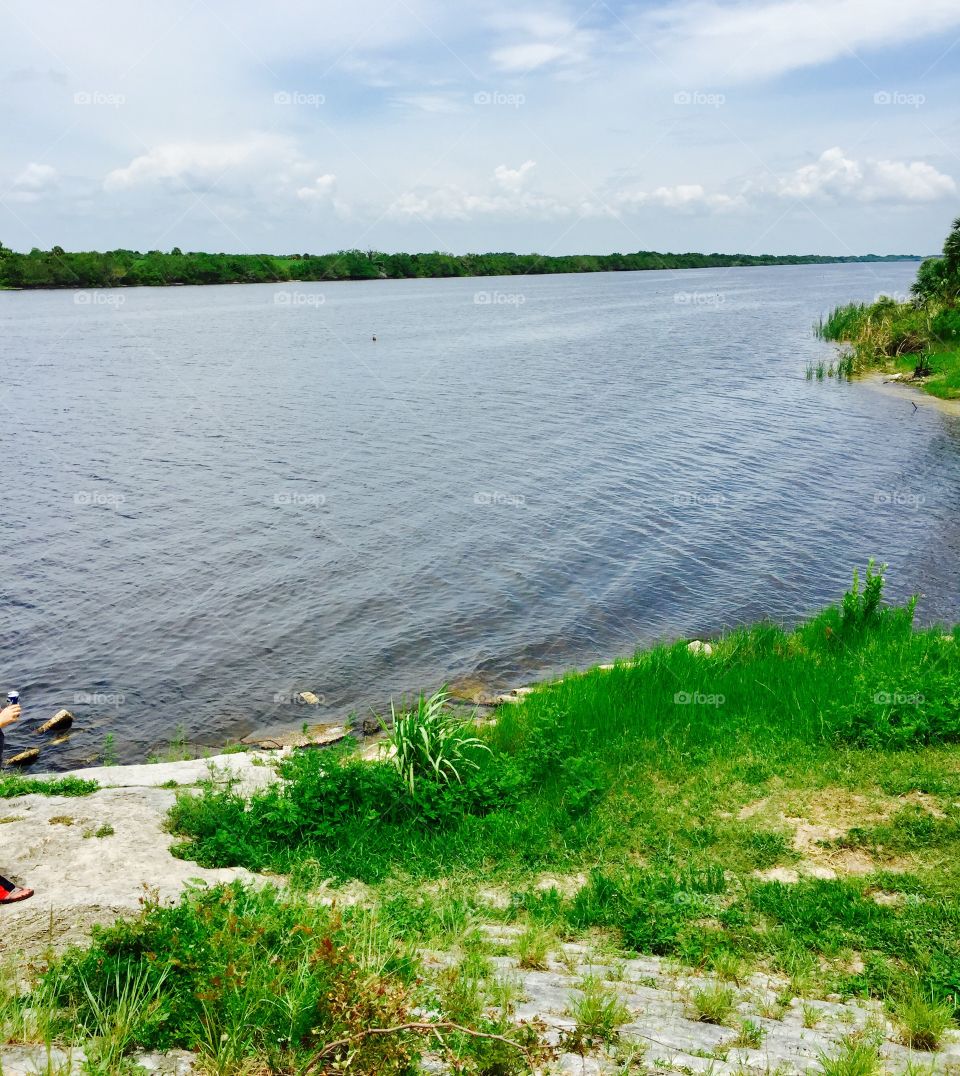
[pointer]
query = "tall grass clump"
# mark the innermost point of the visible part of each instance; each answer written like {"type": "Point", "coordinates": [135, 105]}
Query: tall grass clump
{"type": "Point", "coordinates": [430, 742]}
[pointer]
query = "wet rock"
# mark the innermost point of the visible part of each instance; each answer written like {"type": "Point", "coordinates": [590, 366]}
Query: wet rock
{"type": "Point", "coordinates": [517, 695]}
{"type": "Point", "coordinates": [25, 758]}
{"type": "Point", "coordinates": [313, 736]}
{"type": "Point", "coordinates": [62, 719]}
{"type": "Point", "coordinates": [308, 698]}
{"type": "Point", "coordinates": [698, 646]}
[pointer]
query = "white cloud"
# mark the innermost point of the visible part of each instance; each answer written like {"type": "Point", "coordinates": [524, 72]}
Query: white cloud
{"type": "Point", "coordinates": [528, 56]}
{"type": "Point", "coordinates": [732, 42]}
{"type": "Point", "coordinates": [836, 177]}
{"type": "Point", "coordinates": [434, 103]}
{"type": "Point", "coordinates": [36, 177]}
{"type": "Point", "coordinates": [321, 189]}
{"type": "Point", "coordinates": [33, 183]}
{"type": "Point", "coordinates": [197, 165]}
{"type": "Point", "coordinates": [512, 179]}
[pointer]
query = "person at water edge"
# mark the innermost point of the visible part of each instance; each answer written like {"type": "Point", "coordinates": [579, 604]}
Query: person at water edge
{"type": "Point", "coordinates": [10, 893]}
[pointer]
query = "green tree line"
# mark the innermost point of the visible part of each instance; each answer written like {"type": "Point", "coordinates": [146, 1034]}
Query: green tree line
{"type": "Point", "coordinates": [57, 268]}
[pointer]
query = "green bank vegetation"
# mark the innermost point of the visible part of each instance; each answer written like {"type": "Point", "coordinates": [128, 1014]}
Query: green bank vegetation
{"type": "Point", "coordinates": [918, 338]}
{"type": "Point", "coordinates": [15, 784]}
{"type": "Point", "coordinates": [58, 268]}
{"type": "Point", "coordinates": [788, 802]}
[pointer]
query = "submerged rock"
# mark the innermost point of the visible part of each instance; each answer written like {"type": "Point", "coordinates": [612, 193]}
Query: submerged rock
{"type": "Point", "coordinates": [62, 719]}
{"type": "Point", "coordinates": [25, 757]}
{"type": "Point", "coordinates": [308, 698]}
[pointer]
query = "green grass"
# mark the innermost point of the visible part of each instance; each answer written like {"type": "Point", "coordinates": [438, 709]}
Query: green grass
{"type": "Point", "coordinates": [235, 974]}
{"type": "Point", "coordinates": [12, 785]}
{"type": "Point", "coordinates": [637, 777]}
{"type": "Point", "coordinates": [657, 796]}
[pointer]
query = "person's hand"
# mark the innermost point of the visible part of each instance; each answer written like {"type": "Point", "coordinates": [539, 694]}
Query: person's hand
{"type": "Point", "coordinates": [9, 714]}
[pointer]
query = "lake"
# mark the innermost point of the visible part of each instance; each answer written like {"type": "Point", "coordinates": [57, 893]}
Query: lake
{"type": "Point", "coordinates": [216, 497]}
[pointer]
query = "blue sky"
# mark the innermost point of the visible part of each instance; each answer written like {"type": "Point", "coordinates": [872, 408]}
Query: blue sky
{"type": "Point", "coordinates": [783, 126]}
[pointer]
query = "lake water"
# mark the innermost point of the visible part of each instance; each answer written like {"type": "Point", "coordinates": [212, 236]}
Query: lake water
{"type": "Point", "coordinates": [217, 497]}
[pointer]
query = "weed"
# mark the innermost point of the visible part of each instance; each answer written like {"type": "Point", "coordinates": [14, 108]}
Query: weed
{"type": "Point", "coordinates": [857, 1057]}
{"type": "Point", "coordinates": [109, 755]}
{"type": "Point", "coordinates": [811, 1015]}
{"type": "Point", "coordinates": [533, 948]}
{"type": "Point", "coordinates": [923, 1020]}
{"type": "Point", "coordinates": [749, 1036]}
{"type": "Point", "coordinates": [598, 1011]}
{"type": "Point", "coordinates": [713, 1004]}
{"type": "Point", "coordinates": [106, 830]}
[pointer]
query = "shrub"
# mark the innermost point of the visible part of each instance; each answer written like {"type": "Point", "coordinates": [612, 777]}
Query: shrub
{"type": "Point", "coordinates": [945, 326]}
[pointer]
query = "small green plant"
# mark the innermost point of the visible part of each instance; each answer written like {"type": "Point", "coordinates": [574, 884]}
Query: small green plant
{"type": "Point", "coordinates": [749, 1036]}
{"type": "Point", "coordinates": [858, 1056]}
{"type": "Point", "coordinates": [429, 741]}
{"type": "Point", "coordinates": [109, 755]}
{"type": "Point", "coordinates": [923, 1020]}
{"type": "Point", "coordinates": [533, 948]}
{"type": "Point", "coordinates": [106, 830]}
{"type": "Point", "coordinates": [811, 1015]}
{"type": "Point", "coordinates": [728, 966]}
{"type": "Point", "coordinates": [598, 1011]}
{"type": "Point", "coordinates": [860, 608]}
{"type": "Point", "coordinates": [714, 1004]}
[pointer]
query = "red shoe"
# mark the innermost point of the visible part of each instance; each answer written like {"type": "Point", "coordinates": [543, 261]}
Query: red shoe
{"type": "Point", "coordinates": [20, 893]}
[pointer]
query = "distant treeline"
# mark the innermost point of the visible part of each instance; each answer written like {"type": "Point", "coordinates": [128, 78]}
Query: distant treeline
{"type": "Point", "coordinates": [58, 268]}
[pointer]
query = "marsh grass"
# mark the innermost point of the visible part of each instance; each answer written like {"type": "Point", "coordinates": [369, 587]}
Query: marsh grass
{"type": "Point", "coordinates": [917, 338]}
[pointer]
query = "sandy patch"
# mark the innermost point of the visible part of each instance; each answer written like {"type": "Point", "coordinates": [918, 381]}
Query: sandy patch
{"type": "Point", "coordinates": [827, 816]}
